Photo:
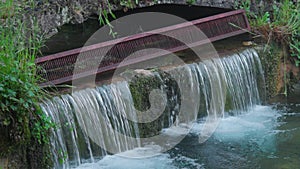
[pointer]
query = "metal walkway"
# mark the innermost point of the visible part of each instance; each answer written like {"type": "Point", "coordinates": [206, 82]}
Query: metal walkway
{"type": "Point", "coordinates": [58, 68]}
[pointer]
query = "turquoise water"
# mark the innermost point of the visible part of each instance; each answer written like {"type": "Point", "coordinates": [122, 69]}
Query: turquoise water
{"type": "Point", "coordinates": [264, 137]}
{"type": "Point", "coordinates": [250, 136]}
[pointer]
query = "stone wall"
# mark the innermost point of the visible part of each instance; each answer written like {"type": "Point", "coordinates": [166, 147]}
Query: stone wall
{"type": "Point", "coordinates": [211, 3]}
{"type": "Point", "coordinates": [52, 14]}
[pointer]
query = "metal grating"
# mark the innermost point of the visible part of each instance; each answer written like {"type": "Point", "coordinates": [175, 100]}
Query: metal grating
{"type": "Point", "coordinates": [58, 68]}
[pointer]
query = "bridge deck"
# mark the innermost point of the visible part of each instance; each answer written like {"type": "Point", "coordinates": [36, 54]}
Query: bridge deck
{"type": "Point", "coordinates": [59, 68]}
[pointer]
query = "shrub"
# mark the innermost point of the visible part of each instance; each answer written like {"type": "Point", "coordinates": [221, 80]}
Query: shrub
{"type": "Point", "coordinates": [281, 25]}
{"type": "Point", "coordinates": [19, 90]}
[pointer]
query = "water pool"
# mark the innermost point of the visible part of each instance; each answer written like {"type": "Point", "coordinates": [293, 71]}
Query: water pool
{"type": "Point", "coordinates": [264, 137]}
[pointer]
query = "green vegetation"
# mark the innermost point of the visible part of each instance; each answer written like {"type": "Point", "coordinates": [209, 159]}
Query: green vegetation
{"type": "Point", "coordinates": [140, 87]}
{"type": "Point", "coordinates": [271, 60]}
{"type": "Point", "coordinates": [20, 113]}
{"type": "Point", "coordinates": [105, 12]}
{"type": "Point", "coordinates": [279, 26]}
{"type": "Point", "coordinates": [191, 2]}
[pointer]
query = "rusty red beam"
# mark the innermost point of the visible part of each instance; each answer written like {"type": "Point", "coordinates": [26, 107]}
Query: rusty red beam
{"type": "Point", "coordinates": [142, 35]}
{"type": "Point", "coordinates": [204, 22]}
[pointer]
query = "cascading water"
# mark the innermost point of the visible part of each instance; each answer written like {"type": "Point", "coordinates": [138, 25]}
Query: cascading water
{"type": "Point", "coordinates": [89, 109]}
{"type": "Point", "coordinates": [91, 121]}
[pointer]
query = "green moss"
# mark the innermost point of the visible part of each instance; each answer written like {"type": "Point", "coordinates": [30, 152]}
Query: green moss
{"type": "Point", "coordinates": [277, 23]}
{"type": "Point", "coordinates": [141, 86]}
{"type": "Point", "coordinates": [271, 59]}
{"type": "Point", "coordinates": [140, 89]}
{"type": "Point", "coordinates": [228, 103]}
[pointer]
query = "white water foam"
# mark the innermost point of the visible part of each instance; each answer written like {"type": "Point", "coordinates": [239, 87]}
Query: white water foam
{"type": "Point", "coordinates": [257, 125]}
{"type": "Point", "coordinates": [178, 130]}
{"type": "Point", "coordinates": [117, 162]}
{"type": "Point", "coordinates": [162, 161]}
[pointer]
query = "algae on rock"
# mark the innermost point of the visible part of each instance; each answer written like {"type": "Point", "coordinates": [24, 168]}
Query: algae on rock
{"type": "Point", "coordinates": [156, 98]}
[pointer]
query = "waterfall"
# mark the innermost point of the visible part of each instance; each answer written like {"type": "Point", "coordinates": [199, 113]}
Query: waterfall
{"type": "Point", "coordinates": [96, 121]}
{"type": "Point", "coordinates": [101, 114]}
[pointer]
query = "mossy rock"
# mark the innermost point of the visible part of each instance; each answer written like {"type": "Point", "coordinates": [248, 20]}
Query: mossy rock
{"type": "Point", "coordinates": [155, 113]}
{"type": "Point", "coordinates": [271, 58]}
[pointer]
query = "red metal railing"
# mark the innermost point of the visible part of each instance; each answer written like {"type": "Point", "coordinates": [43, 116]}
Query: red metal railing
{"type": "Point", "coordinates": [59, 68]}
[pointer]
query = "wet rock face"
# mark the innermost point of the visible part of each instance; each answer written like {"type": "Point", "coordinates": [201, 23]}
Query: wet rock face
{"type": "Point", "coordinates": [216, 3]}
{"type": "Point", "coordinates": [52, 14]}
{"type": "Point", "coordinates": [156, 98]}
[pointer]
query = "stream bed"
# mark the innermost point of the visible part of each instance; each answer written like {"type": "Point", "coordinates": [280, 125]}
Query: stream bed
{"type": "Point", "coordinates": [264, 137]}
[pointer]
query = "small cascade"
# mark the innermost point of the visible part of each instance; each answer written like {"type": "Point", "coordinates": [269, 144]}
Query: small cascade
{"type": "Point", "coordinates": [94, 122]}
{"type": "Point", "coordinates": [244, 78]}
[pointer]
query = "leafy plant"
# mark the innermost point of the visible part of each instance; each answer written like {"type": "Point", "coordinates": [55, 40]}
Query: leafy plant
{"type": "Point", "coordinates": [6, 9]}
{"type": "Point", "coordinates": [282, 25]}
{"type": "Point", "coordinates": [295, 49]}
{"type": "Point", "coordinates": [190, 2]}
{"type": "Point", "coordinates": [106, 12]}
{"type": "Point", "coordinates": [246, 4]}
{"type": "Point", "coordinates": [128, 3]}
{"type": "Point", "coordinates": [104, 18]}
{"type": "Point", "coordinates": [286, 26]}
{"type": "Point", "coordinates": [260, 21]}
{"type": "Point", "coordinates": [19, 90]}
{"type": "Point", "coordinates": [62, 156]}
